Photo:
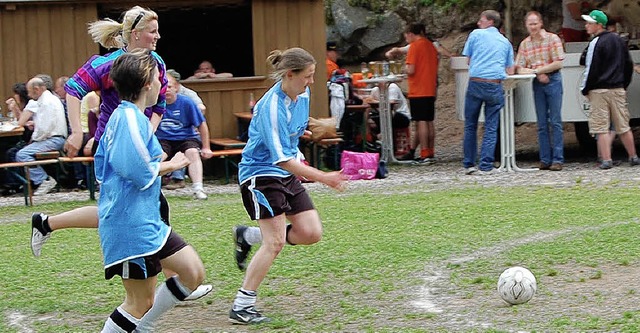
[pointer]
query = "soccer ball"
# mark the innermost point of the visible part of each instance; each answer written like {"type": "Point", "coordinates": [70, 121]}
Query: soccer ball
{"type": "Point", "coordinates": [517, 285]}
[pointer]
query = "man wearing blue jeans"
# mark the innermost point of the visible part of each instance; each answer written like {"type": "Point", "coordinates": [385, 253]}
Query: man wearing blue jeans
{"type": "Point", "coordinates": [49, 133]}
{"type": "Point", "coordinates": [541, 54]}
{"type": "Point", "coordinates": [490, 57]}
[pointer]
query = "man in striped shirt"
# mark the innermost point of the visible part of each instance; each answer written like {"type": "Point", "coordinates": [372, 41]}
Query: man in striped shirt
{"type": "Point", "coordinates": [541, 54]}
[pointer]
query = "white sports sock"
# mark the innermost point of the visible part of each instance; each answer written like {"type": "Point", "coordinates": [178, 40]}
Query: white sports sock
{"type": "Point", "coordinates": [112, 327]}
{"type": "Point", "coordinates": [252, 235]}
{"type": "Point", "coordinates": [198, 186]}
{"type": "Point", "coordinates": [244, 298]}
{"type": "Point", "coordinates": [165, 300]}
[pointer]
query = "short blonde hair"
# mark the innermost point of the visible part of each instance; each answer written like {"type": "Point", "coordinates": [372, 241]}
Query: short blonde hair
{"type": "Point", "coordinates": [295, 59]}
{"type": "Point", "coordinates": [112, 34]}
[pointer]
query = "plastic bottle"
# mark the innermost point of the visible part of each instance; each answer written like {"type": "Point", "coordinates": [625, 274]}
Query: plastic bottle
{"type": "Point", "coordinates": [252, 102]}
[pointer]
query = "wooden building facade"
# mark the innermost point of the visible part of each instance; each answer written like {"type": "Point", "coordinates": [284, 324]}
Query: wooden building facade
{"type": "Point", "coordinates": [51, 37]}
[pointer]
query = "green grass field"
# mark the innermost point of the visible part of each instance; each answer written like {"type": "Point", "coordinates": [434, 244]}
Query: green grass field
{"type": "Point", "coordinates": [367, 270]}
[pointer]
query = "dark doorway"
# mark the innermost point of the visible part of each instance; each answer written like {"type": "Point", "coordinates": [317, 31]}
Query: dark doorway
{"type": "Point", "coordinates": [221, 34]}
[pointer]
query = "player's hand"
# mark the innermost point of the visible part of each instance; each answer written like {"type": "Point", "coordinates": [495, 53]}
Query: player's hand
{"type": "Point", "coordinates": [179, 161]}
{"type": "Point", "coordinates": [336, 180]}
{"type": "Point", "coordinates": [73, 144]}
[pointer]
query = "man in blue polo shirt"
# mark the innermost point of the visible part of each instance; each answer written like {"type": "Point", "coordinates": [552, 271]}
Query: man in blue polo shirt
{"type": "Point", "coordinates": [177, 132]}
{"type": "Point", "coordinates": [490, 57]}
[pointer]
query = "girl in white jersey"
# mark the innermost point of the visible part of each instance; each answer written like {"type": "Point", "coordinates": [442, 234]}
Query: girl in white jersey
{"type": "Point", "coordinates": [271, 193]}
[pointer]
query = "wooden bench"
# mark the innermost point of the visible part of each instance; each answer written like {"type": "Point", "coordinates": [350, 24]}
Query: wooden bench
{"type": "Point", "coordinates": [26, 180]}
{"type": "Point", "coordinates": [225, 154]}
{"type": "Point", "coordinates": [320, 147]}
{"type": "Point", "coordinates": [88, 165]}
{"type": "Point", "coordinates": [227, 143]}
{"type": "Point", "coordinates": [45, 155]}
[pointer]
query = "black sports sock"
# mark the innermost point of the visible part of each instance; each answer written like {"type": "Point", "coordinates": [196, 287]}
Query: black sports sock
{"type": "Point", "coordinates": [287, 234]}
{"type": "Point", "coordinates": [45, 225]}
{"type": "Point", "coordinates": [121, 321]}
{"type": "Point", "coordinates": [176, 288]}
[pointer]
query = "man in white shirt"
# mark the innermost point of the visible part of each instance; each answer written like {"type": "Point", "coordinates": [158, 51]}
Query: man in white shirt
{"type": "Point", "coordinates": [49, 134]}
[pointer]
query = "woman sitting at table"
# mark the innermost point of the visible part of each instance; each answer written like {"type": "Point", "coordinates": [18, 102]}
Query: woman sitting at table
{"type": "Point", "coordinates": [16, 104]}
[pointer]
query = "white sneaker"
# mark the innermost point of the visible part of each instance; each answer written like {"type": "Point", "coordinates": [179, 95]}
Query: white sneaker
{"type": "Point", "coordinates": [200, 195]}
{"type": "Point", "coordinates": [46, 186]}
{"type": "Point", "coordinates": [489, 172]}
{"type": "Point", "coordinates": [38, 235]}
{"type": "Point", "coordinates": [201, 291]}
{"type": "Point", "coordinates": [470, 170]}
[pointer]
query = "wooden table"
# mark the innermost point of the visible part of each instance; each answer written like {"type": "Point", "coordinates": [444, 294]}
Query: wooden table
{"type": "Point", "coordinates": [244, 116]}
{"type": "Point", "coordinates": [17, 131]}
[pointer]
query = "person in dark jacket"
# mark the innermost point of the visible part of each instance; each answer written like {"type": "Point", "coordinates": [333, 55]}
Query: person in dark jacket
{"type": "Point", "coordinates": [608, 70]}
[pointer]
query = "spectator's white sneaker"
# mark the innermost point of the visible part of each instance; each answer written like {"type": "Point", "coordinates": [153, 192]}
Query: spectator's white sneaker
{"type": "Point", "coordinates": [46, 186]}
{"type": "Point", "coordinates": [201, 291]}
{"type": "Point", "coordinates": [200, 195]}
{"type": "Point", "coordinates": [470, 170]}
{"type": "Point", "coordinates": [493, 171]}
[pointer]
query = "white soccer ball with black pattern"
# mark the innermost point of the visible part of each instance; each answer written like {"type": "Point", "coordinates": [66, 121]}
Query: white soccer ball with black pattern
{"type": "Point", "coordinates": [517, 285]}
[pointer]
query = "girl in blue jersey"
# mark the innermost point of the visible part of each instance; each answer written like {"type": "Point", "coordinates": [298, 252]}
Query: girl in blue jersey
{"type": "Point", "coordinates": [135, 242]}
{"type": "Point", "coordinates": [271, 193]}
{"type": "Point", "coordinates": [139, 29]}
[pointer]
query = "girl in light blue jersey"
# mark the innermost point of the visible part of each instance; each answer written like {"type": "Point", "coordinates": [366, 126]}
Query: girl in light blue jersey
{"type": "Point", "coordinates": [135, 241]}
{"type": "Point", "coordinates": [271, 193]}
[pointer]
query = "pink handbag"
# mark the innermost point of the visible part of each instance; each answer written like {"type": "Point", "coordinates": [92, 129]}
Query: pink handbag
{"type": "Point", "coordinates": [359, 165]}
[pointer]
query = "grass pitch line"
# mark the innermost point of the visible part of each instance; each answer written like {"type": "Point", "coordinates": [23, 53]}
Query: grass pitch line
{"type": "Point", "coordinates": [436, 274]}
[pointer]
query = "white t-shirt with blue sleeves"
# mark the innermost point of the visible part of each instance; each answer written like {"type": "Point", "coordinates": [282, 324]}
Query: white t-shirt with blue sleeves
{"type": "Point", "coordinates": [277, 124]}
{"type": "Point", "coordinates": [127, 163]}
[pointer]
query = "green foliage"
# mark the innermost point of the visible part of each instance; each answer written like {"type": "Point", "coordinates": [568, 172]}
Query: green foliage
{"type": "Point", "coordinates": [376, 6]}
{"type": "Point", "coordinates": [445, 3]}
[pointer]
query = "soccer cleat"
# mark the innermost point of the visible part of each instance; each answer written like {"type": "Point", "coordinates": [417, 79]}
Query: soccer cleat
{"type": "Point", "coordinates": [634, 161]}
{"type": "Point", "coordinates": [242, 247]}
{"type": "Point", "coordinates": [200, 195]}
{"type": "Point", "coordinates": [247, 316]}
{"type": "Point", "coordinates": [200, 292]}
{"type": "Point", "coordinates": [46, 186]}
{"type": "Point", "coordinates": [38, 235]}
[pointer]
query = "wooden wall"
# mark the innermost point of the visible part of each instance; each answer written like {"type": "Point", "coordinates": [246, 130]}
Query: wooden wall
{"type": "Point", "coordinates": [223, 97]}
{"type": "Point", "coordinates": [50, 39]}
{"type": "Point", "coordinates": [281, 24]}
